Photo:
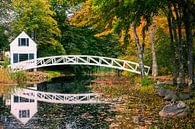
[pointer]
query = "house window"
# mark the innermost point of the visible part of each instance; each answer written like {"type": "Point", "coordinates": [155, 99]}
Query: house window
{"type": "Point", "coordinates": [24, 113]}
{"type": "Point", "coordinates": [23, 42]}
{"type": "Point", "coordinates": [23, 57]}
{"type": "Point", "coordinates": [18, 99]}
{"type": "Point", "coordinates": [15, 57]}
{"type": "Point", "coordinates": [31, 56]}
{"type": "Point", "coordinates": [23, 100]}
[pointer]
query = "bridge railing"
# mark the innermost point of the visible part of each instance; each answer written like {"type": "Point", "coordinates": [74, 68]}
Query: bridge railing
{"type": "Point", "coordinates": [81, 60]}
{"type": "Point", "coordinates": [23, 65]}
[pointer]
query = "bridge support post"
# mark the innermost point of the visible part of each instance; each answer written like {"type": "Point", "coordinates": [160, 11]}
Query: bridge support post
{"type": "Point", "coordinates": [34, 70]}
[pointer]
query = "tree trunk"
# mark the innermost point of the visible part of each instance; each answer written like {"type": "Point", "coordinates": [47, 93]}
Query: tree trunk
{"type": "Point", "coordinates": [171, 30]}
{"type": "Point", "coordinates": [189, 40]}
{"type": "Point", "coordinates": [154, 61]}
{"type": "Point", "coordinates": [180, 49]}
{"type": "Point", "coordinates": [180, 55]}
{"type": "Point", "coordinates": [33, 34]}
{"type": "Point", "coordinates": [140, 50]}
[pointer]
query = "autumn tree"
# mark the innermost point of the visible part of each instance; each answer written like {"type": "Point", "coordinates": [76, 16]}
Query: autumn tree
{"type": "Point", "coordinates": [36, 18]}
{"type": "Point", "coordinates": [120, 17]}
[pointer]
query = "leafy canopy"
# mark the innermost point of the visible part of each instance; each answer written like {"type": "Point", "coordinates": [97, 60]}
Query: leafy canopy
{"type": "Point", "coordinates": [36, 17]}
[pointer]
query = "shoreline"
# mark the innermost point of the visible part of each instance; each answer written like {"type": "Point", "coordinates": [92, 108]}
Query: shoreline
{"type": "Point", "coordinates": [133, 101]}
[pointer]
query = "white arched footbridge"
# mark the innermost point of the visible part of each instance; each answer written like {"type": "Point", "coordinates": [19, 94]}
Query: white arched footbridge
{"type": "Point", "coordinates": [88, 98]}
{"type": "Point", "coordinates": [79, 60]}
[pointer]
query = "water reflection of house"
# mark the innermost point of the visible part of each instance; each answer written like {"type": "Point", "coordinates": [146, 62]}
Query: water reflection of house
{"type": "Point", "coordinates": [22, 108]}
{"type": "Point", "coordinates": [1, 125]}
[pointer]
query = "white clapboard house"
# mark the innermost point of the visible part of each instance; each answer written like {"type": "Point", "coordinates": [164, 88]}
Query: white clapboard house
{"type": "Point", "coordinates": [22, 48]}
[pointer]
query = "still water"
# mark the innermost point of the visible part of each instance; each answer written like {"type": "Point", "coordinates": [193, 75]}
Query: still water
{"type": "Point", "coordinates": [20, 109]}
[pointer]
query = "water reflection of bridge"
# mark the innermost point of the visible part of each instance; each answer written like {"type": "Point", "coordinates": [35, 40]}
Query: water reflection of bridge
{"type": "Point", "coordinates": [88, 98]}
{"type": "Point", "coordinates": [24, 106]}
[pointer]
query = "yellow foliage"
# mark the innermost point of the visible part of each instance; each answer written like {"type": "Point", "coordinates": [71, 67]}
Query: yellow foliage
{"type": "Point", "coordinates": [159, 21]}
{"type": "Point", "coordinates": [81, 17]}
{"type": "Point", "coordinates": [139, 33]}
{"type": "Point", "coordinates": [106, 32]}
{"type": "Point", "coordinates": [5, 89]}
{"type": "Point", "coordinates": [5, 76]}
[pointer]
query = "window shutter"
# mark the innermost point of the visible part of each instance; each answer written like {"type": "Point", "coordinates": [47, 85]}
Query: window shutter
{"type": "Point", "coordinates": [15, 57]}
{"type": "Point", "coordinates": [27, 41]}
{"type": "Point", "coordinates": [19, 44]}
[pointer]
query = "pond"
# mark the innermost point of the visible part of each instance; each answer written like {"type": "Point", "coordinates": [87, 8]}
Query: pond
{"type": "Point", "coordinates": [52, 109]}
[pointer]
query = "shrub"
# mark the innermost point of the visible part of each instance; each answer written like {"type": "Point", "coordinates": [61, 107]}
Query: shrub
{"type": "Point", "coordinates": [5, 76]}
{"type": "Point", "coordinates": [20, 77]}
{"type": "Point", "coordinates": [6, 62]}
{"type": "Point", "coordinates": [145, 81]}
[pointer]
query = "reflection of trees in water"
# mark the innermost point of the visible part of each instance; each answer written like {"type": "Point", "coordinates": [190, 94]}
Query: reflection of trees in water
{"type": "Point", "coordinates": [59, 116]}
{"type": "Point", "coordinates": [81, 116]}
{"type": "Point", "coordinates": [67, 84]}
{"type": "Point", "coordinates": [86, 116]}
{"type": "Point", "coordinates": [3, 109]}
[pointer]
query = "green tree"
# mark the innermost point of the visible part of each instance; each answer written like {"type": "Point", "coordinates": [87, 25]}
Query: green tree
{"type": "Point", "coordinates": [4, 10]}
{"type": "Point", "coordinates": [4, 43]}
{"type": "Point", "coordinates": [80, 40]}
{"type": "Point", "coordinates": [36, 18]}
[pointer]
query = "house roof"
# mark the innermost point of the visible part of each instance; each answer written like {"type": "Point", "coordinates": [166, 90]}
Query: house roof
{"type": "Point", "coordinates": [23, 35]}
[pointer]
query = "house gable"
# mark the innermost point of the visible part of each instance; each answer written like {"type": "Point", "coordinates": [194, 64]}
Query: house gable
{"type": "Point", "coordinates": [22, 35]}
{"type": "Point", "coordinates": [22, 48]}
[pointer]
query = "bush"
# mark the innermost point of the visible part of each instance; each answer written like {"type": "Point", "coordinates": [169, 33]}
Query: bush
{"type": "Point", "coordinates": [5, 76]}
{"type": "Point", "coordinates": [20, 77]}
{"type": "Point", "coordinates": [145, 81]}
{"type": "Point", "coordinates": [6, 62]}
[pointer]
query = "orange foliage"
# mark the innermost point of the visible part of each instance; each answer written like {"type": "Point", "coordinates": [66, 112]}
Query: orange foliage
{"type": "Point", "coordinates": [159, 21]}
{"type": "Point", "coordinates": [106, 32]}
{"type": "Point", "coordinates": [139, 33]}
{"type": "Point", "coordinates": [83, 16]}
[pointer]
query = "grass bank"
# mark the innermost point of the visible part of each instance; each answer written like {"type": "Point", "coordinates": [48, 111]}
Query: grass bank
{"type": "Point", "coordinates": [9, 80]}
{"type": "Point", "coordinates": [134, 100]}
{"type": "Point", "coordinates": [7, 77]}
